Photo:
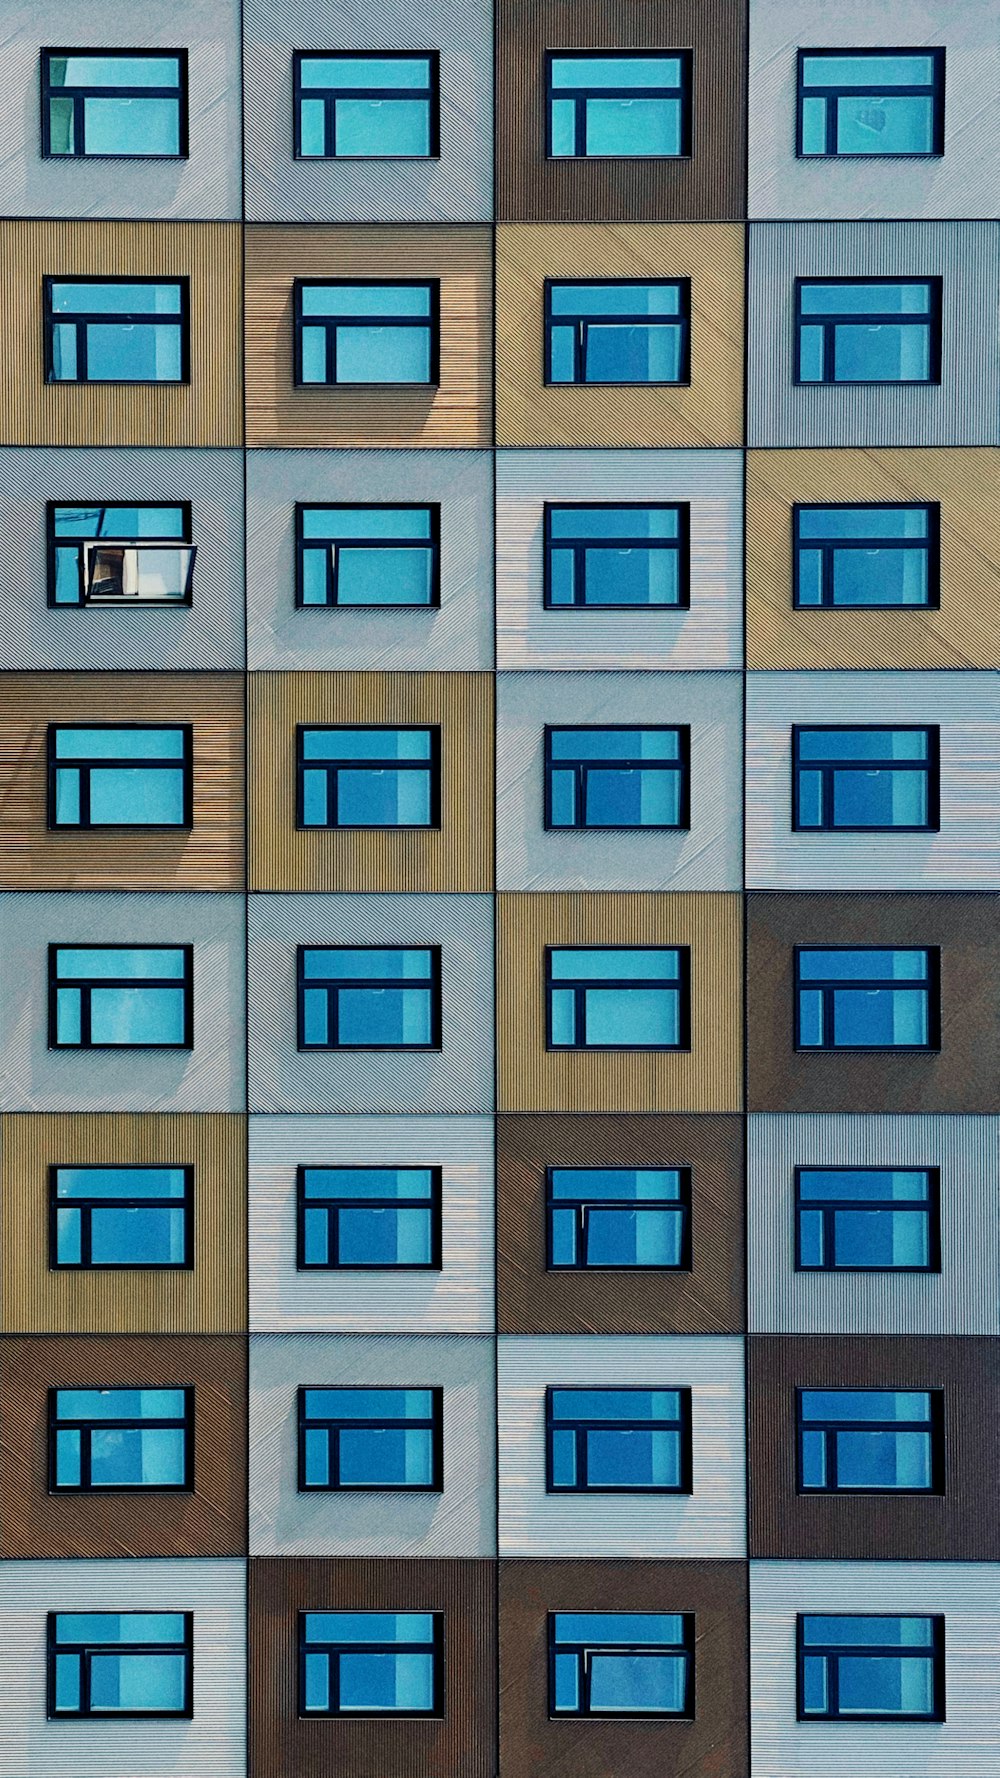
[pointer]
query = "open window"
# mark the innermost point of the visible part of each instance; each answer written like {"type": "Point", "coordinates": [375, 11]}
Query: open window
{"type": "Point", "coordinates": [119, 555]}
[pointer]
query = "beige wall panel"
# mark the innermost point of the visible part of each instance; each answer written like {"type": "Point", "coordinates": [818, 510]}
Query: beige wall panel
{"type": "Point", "coordinates": [965, 632]}
{"type": "Point", "coordinates": [210, 1298]}
{"type": "Point", "coordinates": [705, 1078]}
{"type": "Point", "coordinates": [458, 412]}
{"type": "Point", "coordinates": [709, 412]}
{"type": "Point", "coordinates": [206, 411]}
{"type": "Point", "coordinates": [456, 856]}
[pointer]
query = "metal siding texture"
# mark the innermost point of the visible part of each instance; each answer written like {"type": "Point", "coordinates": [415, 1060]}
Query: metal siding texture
{"type": "Point", "coordinates": [709, 635]}
{"type": "Point", "coordinates": [960, 1299]}
{"type": "Point", "coordinates": [705, 1078]}
{"type": "Point", "coordinates": [206, 411]}
{"type": "Point", "coordinates": [456, 1299]}
{"type": "Point", "coordinates": [963, 633]}
{"type": "Point", "coordinates": [459, 411]}
{"type": "Point", "coordinates": [456, 635]}
{"type": "Point", "coordinates": [458, 1077]}
{"type": "Point", "coordinates": [208, 1299]}
{"type": "Point", "coordinates": [455, 187]}
{"type": "Point", "coordinates": [211, 1745]}
{"type": "Point", "coordinates": [709, 412]}
{"type": "Point", "coordinates": [709, 855]}
{"type": "Point", "coordinates": [960, 410]}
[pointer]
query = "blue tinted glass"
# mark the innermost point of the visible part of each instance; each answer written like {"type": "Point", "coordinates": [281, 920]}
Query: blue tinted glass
{"type": "Point", "coordinates": [632, 353]}
{"type": "Point", "coordinates": [863, 744]}
{"type": "Point", "coordinates": [369, 1404]}
{"type": "Point", "coordinates": [863, 522]}
{"type": "Point", "coordinates": [113, 69]}
{"type": "Point", "coordinates": [845, 70]}
{"type": "Point", "coordinates": [636, 71]}
{"type": "Point", "coordinates": [137, 1016]}
{"type": "Point", "coordinates": [116, 298]}
{"type": "Point", "coordinates": [885, 124]}
{"type": "Point", "coordinates": [863, 965]}
{"type": "Point", "coordinates": [120, 1404]}
{"type": "Point", "coordinates": [877, 1184]}
{"type": "Point", "coordinates": [132, 126]}
{"type": "Point", "coordinates": [584, 1183]}
{"type": "Point", "coordinates": [384, 577]}
{"type": "Point", "coordinates": [366, 744]}
{"type": "Point", "coordinates": [382, 127]}
{"type": "Point", "coordinates": [383, 354]}
{"type": "Point", "coordinates": [368, 964]}
{"type": "Point", "coordinates": [615, 299]}
{"type": "Point", "coordinates": [126, 1627]}
{"type": "Point", "coordinates": [374, 523]}
{"type": "Point", "coordinates": [78, 961]}
{"type": "Point", "coordinates": [616, 1404]}
{"type": "Point", "coordinates": [369, 1626]}
{"type": "Point", "coordinates": [645, 1684]}
{"type": "Point", "coordinates": [847, 299]}
{"type": "Point", "coordinates": [618, 1627]}
{"type": "Point", "coordinates": [343, 73]}
{"type": "Point", "coordinates": [374, 1016]}
{"type": "Point", "coordinates": [614, 965]}
{"type": "Point", "coordinates": [632, 523]}
{"type": "Point", "coordinates": [366, 299]}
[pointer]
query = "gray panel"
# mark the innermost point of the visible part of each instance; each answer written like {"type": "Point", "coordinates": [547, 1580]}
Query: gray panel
{"type": "Point", "coordinates": [35, 636]}
{"type": "Point", "coordinates": [460, 1521]}
{"type": "Point", "coordinates": [210, 1077]}
{"type": "Point", "coordinates": [457, 636]}
{"type": "Point", "coordinates": [457, 187]}
{"type": "Point", "coordinates": [961, 410]}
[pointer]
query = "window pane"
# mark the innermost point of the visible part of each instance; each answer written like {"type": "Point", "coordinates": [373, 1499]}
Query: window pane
{"type": "Point", "coordinates": [383, 354]}
{"type": "Point", "coordinates": [886, 125]}
{"type": "Point", "coordinates": [892, 1686]}
{"type": "Point", "coordinates": [383, 127]}
{"type": "Point", "coordinates": [636, 1016]}
{"type": "Point", "coordinates": [365, 299]}
{"type": "Point", "coordinates": [633, 127]}
{"type": "Point", "coordinates": [132, 126]}
{"type": "Point", "coordinates": [640, 1683]}
{"type": "Point", "coordinates": [615, 965]}
{"type": "Point", "coordinates": [137, 1015]}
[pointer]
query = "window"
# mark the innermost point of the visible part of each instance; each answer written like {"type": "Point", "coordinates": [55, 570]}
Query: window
{"type": "Point", "coordinates": [369, 555]}
{"type": "Point", "coordinates": [618, 1441]}
{"type": "Point", "coordinates": [119, 1663]}
{"type": "Point", "coordinates": [109, 1217]}
{"type": "Point", "coordinates": [355, 106]}
{"type": "Point", "coordinates": [871, 1669]}
{"type": "Point", "coordinates": [368, 777]}
{"type": "Point", "coordinates": [114, 102]}
{"type": "Point", "coordinates": [121, 1441]}
{"type": "Point", "coordinates": [866, 999]}
{"type": "Point", "coordinates": [132, 775]}
{"type": "Point", "coordinates": [371, 999]}
{"type": "Point", "coordinates": [349, 331]}
{"type": "Point", "coordinates": [877, 102]}
{"type": "Point", "coordinates": [116, 330]}
{"type": "Point", "coordinates": [615, 1217]}
{"type": "Point", "coordinates": [857, 330]}
{"type": "Point", "coordinates": [621, 1663]}
{"type": "Point", "coordinates": [371, 1663]}
{"type": "Point", "coordinates": [867, 557]}
{"type": "Point", "coordinates": [120, 996]}
{"type": "Point", "coordinates": [109, 555]}
{"type": "Point", "coordinates": [617, 998]}
{"type": "Point", "coordinates": [625, 104]}
{"type": "Point", "coordinates": [867, 1219]}
{"type": "Point", "coordinates": [617, 777]}
{"type": "Point", "coordinates": [617, 557]}
{"type": "Point", "coordinates": [609, 331]}
{"type": "Point", "coordinates": [870, 1441]}
{"type": "Point", "coordinates": [370, 1439]}
{"type": "Point", "coordinates": [865, 780]}
{"type": "Point", "coordinates": [369, 1218]}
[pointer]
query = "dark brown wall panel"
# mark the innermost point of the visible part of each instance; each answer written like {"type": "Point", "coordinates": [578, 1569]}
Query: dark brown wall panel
{"type": "Point", "coordinates": [706, 1300]}
{"type": "Point", "coordinates": [959, 1525]}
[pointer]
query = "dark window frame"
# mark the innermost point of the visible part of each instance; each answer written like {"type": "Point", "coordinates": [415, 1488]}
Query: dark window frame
{"type": "Point", "coordinates": [681, 1204]}
{"type": "Point", "coordinates": [334, 1649]}
{"type": "Point", "coordinates": [333, 1427]}
{"type": "Point", "coordinates": [54, 542]}
{"type": "Point", "coordinates": [933, 1651]}
{"type": "Point", "coordinates": [329, 95]}
{"type": "Point", "coordinates": [833, 94]}
{"type": "Point", "coordinates": [679, 545]}
{"type": "Point", "coordinates": [931, 1205]}
{"type": "Point", "coordinates": [85, 766]}
{"type": "Point", "coordinates": [87, 983]}
{"type": "Point", "coordinates": [683, 93]}
{"type": "Point", "coordinates": [687, 1648]}
{"type": "Point", "coordinates": [580, 768]}
{"type": "Point", "coordinates": [930, 766]}
{"type": "Point", "coordinates": [80, 93]}
{"type": "Point", "coordinates": [934, 1426]}
{"type": "Point", "coordinates": [681, 320]}
{"type": "Point", "coordinates": [432, 983]}
{"type": "Point", "coordinates": [431, 322]}
{"type": "Point", "coordinates": [681, 986]}
{"type": "Point", "coordinates": [334, 1206]}
{"type": "Point", "coordinates": [931, 318]}
{"type": "Point", "coordinates": [85, 1713]}
{"type": "Point", "coordinates": [82, 319]}
{"type": "Point", "coordinates": [931, 985]}
{"type": "Point", "coordinates": [431, 766]}
{"type": "Point", "coordinates": [86, 1428]}
{"type": "Point", "coordinates": [683, 1426]}
{"type": "Point", "coordinates": [432, 544]}
{"type": "Point", "coordinates": [931, 545]}
{"type": "Point", "coordinates": [87, 1205]}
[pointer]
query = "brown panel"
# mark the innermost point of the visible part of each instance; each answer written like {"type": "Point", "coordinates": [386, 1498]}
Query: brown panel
{"type": "Point", "coordinates": [959, 1525]}
{"type": "Point", "coordinates": [210, 1521]}
{"type": "Point", "coordinates": [714, 1745]}
{"type": "Point", "coordinates": [707, 187]}
{"type": "Point", "coordinates": [459, 1745]}
{"type": "Point", "coordinates": [458, 412]}
{"type": "Point", "coordinates": [210, 1298]}
{"type": "Point", "coordinates": [961, 1076]}
{"type": "Point", "coordinates": [208, 856]}
{"type": "Point", "coordinates": [206, 411]}
{"type": "Point", "coordinates": [458, 856]}
{"type": "Point", "coordinates": [706, 1300]}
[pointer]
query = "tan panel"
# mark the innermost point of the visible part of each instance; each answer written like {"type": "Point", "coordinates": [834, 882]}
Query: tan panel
{"type": "Point", "coordinates": [206, 411]}
{"type": "Point", "coordinates": [708, 412]}
{"type": "Point", "coordinates": [458, 856]}
{"type": "Point", "coordinates": [458, 412]}
{"type": "Point", "coordinates": [705, 1078]}
{"type": "Point", "coordinates": [208, 856]}
{"type": "Point", "coordinates": [965, 632]}
{"type": "Point", "coordinates": [210, 1298]}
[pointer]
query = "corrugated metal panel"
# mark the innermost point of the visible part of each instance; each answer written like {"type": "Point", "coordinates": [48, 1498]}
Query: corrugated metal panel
{"type": "Point", "coordinates": [709, 635]}
{"type": "Point", "coordinates": [456, 635]}
{"type": "Point", "coordinates": [711, 1521]}
{"type": "Point", "coordinates": [210, 1077]}
{"type": "Point", "coordinates": [210, 1298]}
{"type": "Point", "coordinates": [211, 1745]}
{"type": "Point", "coordinates": [960, 410]}
{"type": "Point", "coordinates": [458, 412]}
{"type": "Point", "coordinates": [206, 411]}
{"type": "Point", "coordinates": [458, 1077]}
{"type": "Point", "coordinates": [962, 1747]}
{"type": "Point", "coordinates": [965, 632]}
{"type": "Point", "coordinates": [962, 1298]}
{"type": "Point", "coordinates": [709, 412]}
{"type": "Point", "coordinates": [456, 187]}
{"type": "Point", "coordinates": [457, 1299]}
{"type": "Point", "coordinates": [709, 855]}
{"type": "Point", "coordinates": [705, 1078]}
